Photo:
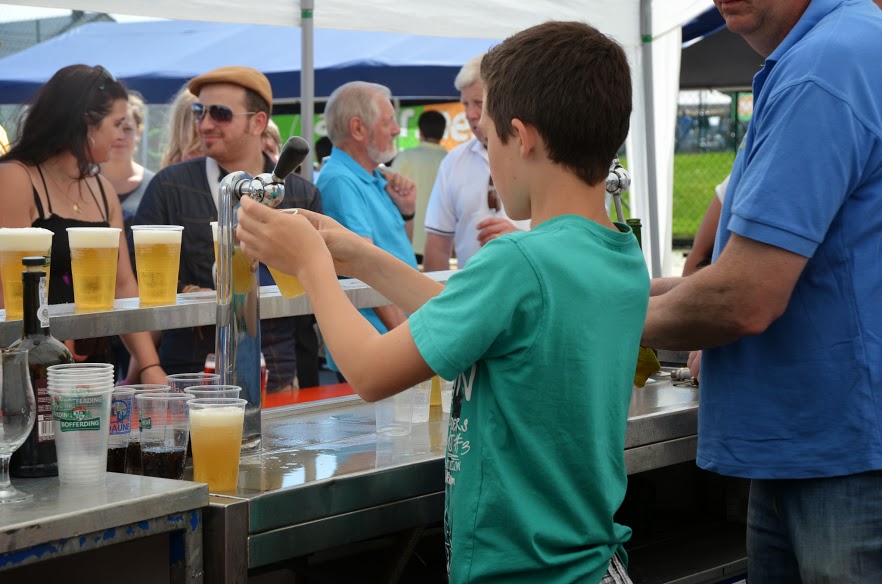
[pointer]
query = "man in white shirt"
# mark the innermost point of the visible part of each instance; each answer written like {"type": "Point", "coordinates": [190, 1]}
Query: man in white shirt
{"type": "Point", "coordinates": [464, 211]}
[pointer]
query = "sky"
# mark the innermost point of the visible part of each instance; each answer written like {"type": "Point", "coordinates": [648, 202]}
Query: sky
{"type": "Point", "coordinates": [13, 12]}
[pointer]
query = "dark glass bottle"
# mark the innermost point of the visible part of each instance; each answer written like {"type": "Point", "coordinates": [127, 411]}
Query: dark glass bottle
{"type": "Point", "coordinates": [636, 227]}
{"type": "Point", "coordinates": [36, 457]}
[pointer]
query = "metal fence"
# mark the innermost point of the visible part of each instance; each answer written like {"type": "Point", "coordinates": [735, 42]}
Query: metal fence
{"type": "Point", "coordinates": [710, 127]}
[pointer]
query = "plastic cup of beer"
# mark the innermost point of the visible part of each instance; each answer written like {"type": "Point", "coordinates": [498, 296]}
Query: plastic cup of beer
{"type": "Point", "coordinates": [157, 259]}
{"type": "Point", "coordinates": [181, 381]}
{"type": "Point", "coordinates": [216, 434]}
{"type": "Point", "coordinates": [120, 428]}
{"type": "Point", "coordinates": [80, 420]}
{"type": "Point", "coordinates": [133, 452]}
{"type": "Point", "coordinates": [163, 424]}
{"type": "Point", "coordinates": [244, 268]}
{"type": "Point", "coordinates": [15, 244]}
{"type": "Point", "coordinates": [214, 391]}
{"type": "Point", "coordinates": [94, 253]}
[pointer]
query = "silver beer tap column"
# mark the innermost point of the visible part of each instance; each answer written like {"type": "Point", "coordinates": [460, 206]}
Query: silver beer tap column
{"type": "Point", "coordinates": [618, 181]}
{"type": "Point", "coordinates": [237, 347]}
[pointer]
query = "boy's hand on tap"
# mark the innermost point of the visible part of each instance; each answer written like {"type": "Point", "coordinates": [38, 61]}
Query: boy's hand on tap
{"type": "Point", "coordinates": [348, 249]}
{"type": "Point", "coordinates": [285, 241]}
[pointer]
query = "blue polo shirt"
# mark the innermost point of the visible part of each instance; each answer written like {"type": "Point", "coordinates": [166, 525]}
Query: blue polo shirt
{"type": "Point", "coordinates": [357, 199]}
{"type": "Point", "coordinates": [804, 398]}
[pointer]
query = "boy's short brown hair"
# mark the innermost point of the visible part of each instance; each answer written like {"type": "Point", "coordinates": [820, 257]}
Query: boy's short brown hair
{"type": "Point", "coordinates": [572, 83]}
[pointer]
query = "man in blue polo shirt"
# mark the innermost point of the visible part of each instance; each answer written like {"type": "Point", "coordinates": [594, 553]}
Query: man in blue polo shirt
{"type": "Point", "coordinates": [791, 392]}
{"type": "Point", "coordinates": [362, 127]}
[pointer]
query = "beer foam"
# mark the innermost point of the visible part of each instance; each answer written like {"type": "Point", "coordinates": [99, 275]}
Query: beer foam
{"type": "Point", "coordinates": [156, 236]}
{"type": "Point", "coordinates": [93, 236]}
{"type": "Point", "coordinates": [214, 230]}
{"type": "Point", "coordinates": [217, 417]}
{"type": "Point", "coordinates": [25, 239]}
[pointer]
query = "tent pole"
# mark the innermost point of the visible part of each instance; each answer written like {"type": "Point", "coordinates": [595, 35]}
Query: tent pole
{"type": "Point", "coordinates": [651, 162]}
{"type": "Point", "coordinates": [307, 83]}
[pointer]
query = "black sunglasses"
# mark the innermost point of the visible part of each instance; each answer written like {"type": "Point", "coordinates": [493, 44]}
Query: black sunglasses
{"type": "Point", "coordinates": [218, 113]}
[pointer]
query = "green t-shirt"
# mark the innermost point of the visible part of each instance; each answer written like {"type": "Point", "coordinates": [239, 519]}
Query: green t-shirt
{"type": "Point", "coordinates": [541, 331]}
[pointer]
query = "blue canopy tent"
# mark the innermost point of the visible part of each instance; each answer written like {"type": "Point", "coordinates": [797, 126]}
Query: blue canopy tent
{"type": "Point", "coordinates": [156, 58]}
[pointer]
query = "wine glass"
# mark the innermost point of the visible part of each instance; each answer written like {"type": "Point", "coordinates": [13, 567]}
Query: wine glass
{"type": "Point", "coordinates": [17, 413]}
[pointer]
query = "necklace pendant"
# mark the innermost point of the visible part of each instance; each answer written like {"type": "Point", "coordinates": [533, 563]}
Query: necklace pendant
{"type": "Point", "coordinates": [76, 208]}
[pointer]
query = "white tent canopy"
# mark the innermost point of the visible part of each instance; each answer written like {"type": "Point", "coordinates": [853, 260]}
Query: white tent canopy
{"type": "Point", "coordinates": [648, 29]}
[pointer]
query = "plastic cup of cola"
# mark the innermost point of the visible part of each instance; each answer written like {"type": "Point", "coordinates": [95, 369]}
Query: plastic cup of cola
{"type": "Point", "coordinates": [133, 452]}
{"type": "Point", "coordinates": [394, 414]}
{"type": "Point", "coordinates": [164, 426]}
{"type": "Point", "coordinates": [121, 406]}
{"type": "Point", "coordinates": [81, 420]}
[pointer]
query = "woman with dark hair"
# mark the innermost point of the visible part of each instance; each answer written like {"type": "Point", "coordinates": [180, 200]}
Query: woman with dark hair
{"type": "Point", "coordinates": [49, 180]}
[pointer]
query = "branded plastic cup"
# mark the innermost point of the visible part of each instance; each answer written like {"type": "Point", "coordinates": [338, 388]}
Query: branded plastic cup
{"type": "Point", "coordinates": [181, 381]}
{"type": "Point", "coordinates": [394, 414]}
{"type": "Point", "coordinates": [214, 391]}
{"type": "Point", "coordinates": [421, 395]}
{"type": "Point", "coordinates": [15, 244]}
{"type": "Point", "coordinates": [80, 420]}
{"type": "Point", "coordinates": [157, 259]}
{"type": "Point", "coordinates": [133, 452]}
{"type": "Point", "coordinates": [121, 406]}
{"type": "Point", "coordinates": [216, 434]}
{"type": "Point", "coordinates": [94, 254]}
{"type": "Point", "coordinates": [164, 428]}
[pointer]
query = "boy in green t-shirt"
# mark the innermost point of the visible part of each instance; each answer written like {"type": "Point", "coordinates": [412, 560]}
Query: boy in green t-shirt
{"type": "Point", "coordinates": [540, 330]}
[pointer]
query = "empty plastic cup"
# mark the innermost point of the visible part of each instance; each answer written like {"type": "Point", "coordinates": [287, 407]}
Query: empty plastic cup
{"type": "Point", "coordinates": [181, 381]}
{"type": "Point", "coordinates": [394, 414]}
{"type": "Point", "coordinates": [421, 396]}
{"type": "Point", "coordinates": [214, 391]}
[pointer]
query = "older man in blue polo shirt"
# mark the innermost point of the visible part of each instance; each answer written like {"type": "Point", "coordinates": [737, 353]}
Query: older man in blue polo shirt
{"type": "Point", "coordinates": [791, 392]}
{"type": "Point", "coordinates": [362, 127]}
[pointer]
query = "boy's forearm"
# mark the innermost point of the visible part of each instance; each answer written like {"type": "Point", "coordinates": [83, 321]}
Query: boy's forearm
{"type": "Point", "coordinates": [365, 357]}
{"type": "Point", "coordinates": [400, 283]}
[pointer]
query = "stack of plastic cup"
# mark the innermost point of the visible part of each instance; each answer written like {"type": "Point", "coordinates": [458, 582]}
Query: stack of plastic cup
{"type": "Point", "coordinates": [81, 398]}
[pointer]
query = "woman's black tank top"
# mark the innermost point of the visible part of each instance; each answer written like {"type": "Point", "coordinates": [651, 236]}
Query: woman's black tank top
{"type": "Point", "coordinates": [61, 281]}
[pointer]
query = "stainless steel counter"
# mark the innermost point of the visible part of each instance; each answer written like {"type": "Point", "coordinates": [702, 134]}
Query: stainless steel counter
{"type": "Point", "coordinates": [63, 520]}
{"type": "Point", "coordinates": [325, 478]}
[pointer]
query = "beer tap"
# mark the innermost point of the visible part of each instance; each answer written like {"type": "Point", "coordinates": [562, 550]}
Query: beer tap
{"type": "Point", "coordinates": [237, 345]}
{"type": "Point", "coordinates": [618, 181]}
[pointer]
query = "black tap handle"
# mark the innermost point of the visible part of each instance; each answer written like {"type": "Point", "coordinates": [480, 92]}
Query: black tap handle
{"type": "Point", "coordinates": [294, 152]}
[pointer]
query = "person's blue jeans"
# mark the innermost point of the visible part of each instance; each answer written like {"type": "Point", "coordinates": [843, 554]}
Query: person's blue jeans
{"type": "Point", "coordinates": [815, 531]}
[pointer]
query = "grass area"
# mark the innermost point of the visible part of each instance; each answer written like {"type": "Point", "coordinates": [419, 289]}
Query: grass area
{"type": "Point", "coordinates": [695, 176]}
